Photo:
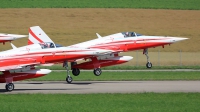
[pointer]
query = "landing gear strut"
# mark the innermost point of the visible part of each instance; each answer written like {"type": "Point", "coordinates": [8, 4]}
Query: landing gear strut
{"type": "Point", "coordinates": [68, 78]}
{"type": "Point", "coordinates": [9, 87]}
{"type": "Point", "coordinates": [149, 64]}
{"type": "Point", "coordinates": [97, 71]}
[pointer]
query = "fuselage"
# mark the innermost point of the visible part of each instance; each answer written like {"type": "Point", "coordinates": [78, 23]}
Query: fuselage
{"type": "Point", "coordinates": [35, 53]}
{"type": "Point", "coordinates": [121, 42]}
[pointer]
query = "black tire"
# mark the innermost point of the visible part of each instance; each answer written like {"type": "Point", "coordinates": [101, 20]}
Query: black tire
{"type": "Point", "coordinates": [97, 72]}
{"type": "Point", "coordinates": [9, 87]}
{"type": "Point", "coordinates": [69, 79]}
{"type": "Point", "coordinates": [149, 65]}
{"type": "Point", "coordinates": [75, 71]}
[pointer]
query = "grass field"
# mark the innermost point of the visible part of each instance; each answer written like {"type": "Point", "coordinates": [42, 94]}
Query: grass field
{"type": "Point", "coordinates": [144, 102]}
{"type": "Point", "coordinates": [122, 76]}
{"type": "Point", "coordinates": [142, 4]}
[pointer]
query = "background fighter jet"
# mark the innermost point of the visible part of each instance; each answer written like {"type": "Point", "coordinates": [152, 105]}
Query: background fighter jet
{"type": "Point", "coordinates": [10, 37]}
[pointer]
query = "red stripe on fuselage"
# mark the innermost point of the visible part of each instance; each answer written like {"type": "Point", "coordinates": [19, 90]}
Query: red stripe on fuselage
{"type": "Point", "coordinates": [30, 31]}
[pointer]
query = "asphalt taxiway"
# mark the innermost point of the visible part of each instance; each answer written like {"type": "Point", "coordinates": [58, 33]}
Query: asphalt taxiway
{"type": "Point", "coordinates": [82, 87]}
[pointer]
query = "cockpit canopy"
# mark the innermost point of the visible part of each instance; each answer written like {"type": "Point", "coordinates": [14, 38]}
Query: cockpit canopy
{"type": "Point", "coordinates": [46, 45]}
{"type": "Point", "coordinates": [130, 34]}
{"type": "Point", "coordinates": [58, 45]}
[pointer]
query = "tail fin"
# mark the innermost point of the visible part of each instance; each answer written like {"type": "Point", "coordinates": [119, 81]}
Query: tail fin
{"type": "Point", "coordinates": [37, 35]}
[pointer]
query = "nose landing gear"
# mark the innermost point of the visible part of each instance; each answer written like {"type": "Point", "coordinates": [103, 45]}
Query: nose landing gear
{"type": "Point", "coordinates": [68, 78]}
{"type": "Point", "coordinates": [149, 64]}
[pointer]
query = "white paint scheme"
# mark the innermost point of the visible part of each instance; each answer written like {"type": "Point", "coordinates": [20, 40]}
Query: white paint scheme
{"type": "Point", "coordinates": [40, 34]}
{"type": "Point", "coordinates": [37, 71]}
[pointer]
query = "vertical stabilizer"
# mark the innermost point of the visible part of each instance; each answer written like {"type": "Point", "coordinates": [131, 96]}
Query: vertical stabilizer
{"type": "Point", "coordinates": [37, 35]}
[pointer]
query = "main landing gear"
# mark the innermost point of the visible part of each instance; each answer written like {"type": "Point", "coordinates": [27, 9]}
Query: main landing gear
{"type": "Point", "coordinates": [68, 78]}
{"type": "Point", "coordinates": [76, 71]}
{"type": "Point", "coordinates": [149, 64]}
{"type": "Point", "coordinates": [9, 87]}
{"type": "Point", "coordinates": [97, 71]}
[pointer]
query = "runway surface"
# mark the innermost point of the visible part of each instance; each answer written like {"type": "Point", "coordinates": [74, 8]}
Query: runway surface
{"type": "Point", "coordinates": [81, 87]}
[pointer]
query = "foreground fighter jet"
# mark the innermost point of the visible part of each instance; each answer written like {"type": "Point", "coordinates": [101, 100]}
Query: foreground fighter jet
{"type": "Point", "coordinates": [119, 42]}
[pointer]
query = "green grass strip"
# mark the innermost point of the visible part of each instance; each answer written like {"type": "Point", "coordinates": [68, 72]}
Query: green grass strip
{"type": "Point", "coordinates": [139, 4]}
{"type": "Point", "coordinates": [122, 76]}
{"type": "Point", "coordinates": [143, 102]}
{"type": "Point", "coordinates": [125, 67]}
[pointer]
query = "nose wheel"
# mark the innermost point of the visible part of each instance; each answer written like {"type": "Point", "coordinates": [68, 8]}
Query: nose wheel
{"type": "Point", "coordinates": [69, 79]}
{"type": "Point", "coordinates": [97, 71]}
{"type": "Point", "coordinates": [9, 87]}
{"type": "Point", "coordinates": [149, 64]}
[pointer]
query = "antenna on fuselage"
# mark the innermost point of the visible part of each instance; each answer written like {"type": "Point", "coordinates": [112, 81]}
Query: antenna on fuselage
{"type": "Point", "coordinates": [13, 46]}
{"type": "Point", "coordinates": [99, 36]}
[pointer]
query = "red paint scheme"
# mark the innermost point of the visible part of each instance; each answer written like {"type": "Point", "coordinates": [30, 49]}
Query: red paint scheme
{"type": "Point", "coordinates": [30, 59]}
{"type": "Point", "coordinates": [144, 45]}
{"type": "Point", "coordinates": [19, 76]}
{"type": "Point", "coordinates": [130, 46]}
{"type": "Point", "coordinates": [59, 58]}
{"type": "Point", "coordinates": [29, 42]}
{"type": "Point", "coordinates": [5, 41]}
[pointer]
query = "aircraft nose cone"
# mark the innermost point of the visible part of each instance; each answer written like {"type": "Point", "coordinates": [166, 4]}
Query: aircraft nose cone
{"type": "Point", "coordinates": [177, 39]}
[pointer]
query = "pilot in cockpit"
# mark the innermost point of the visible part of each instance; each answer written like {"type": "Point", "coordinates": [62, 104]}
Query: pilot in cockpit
{"type": "Point", "coordinates": [126, 34]}
{"type": "Point", "coordinates": [132, 34]}
{"type": "Point", "coordinates": [50, 45]}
